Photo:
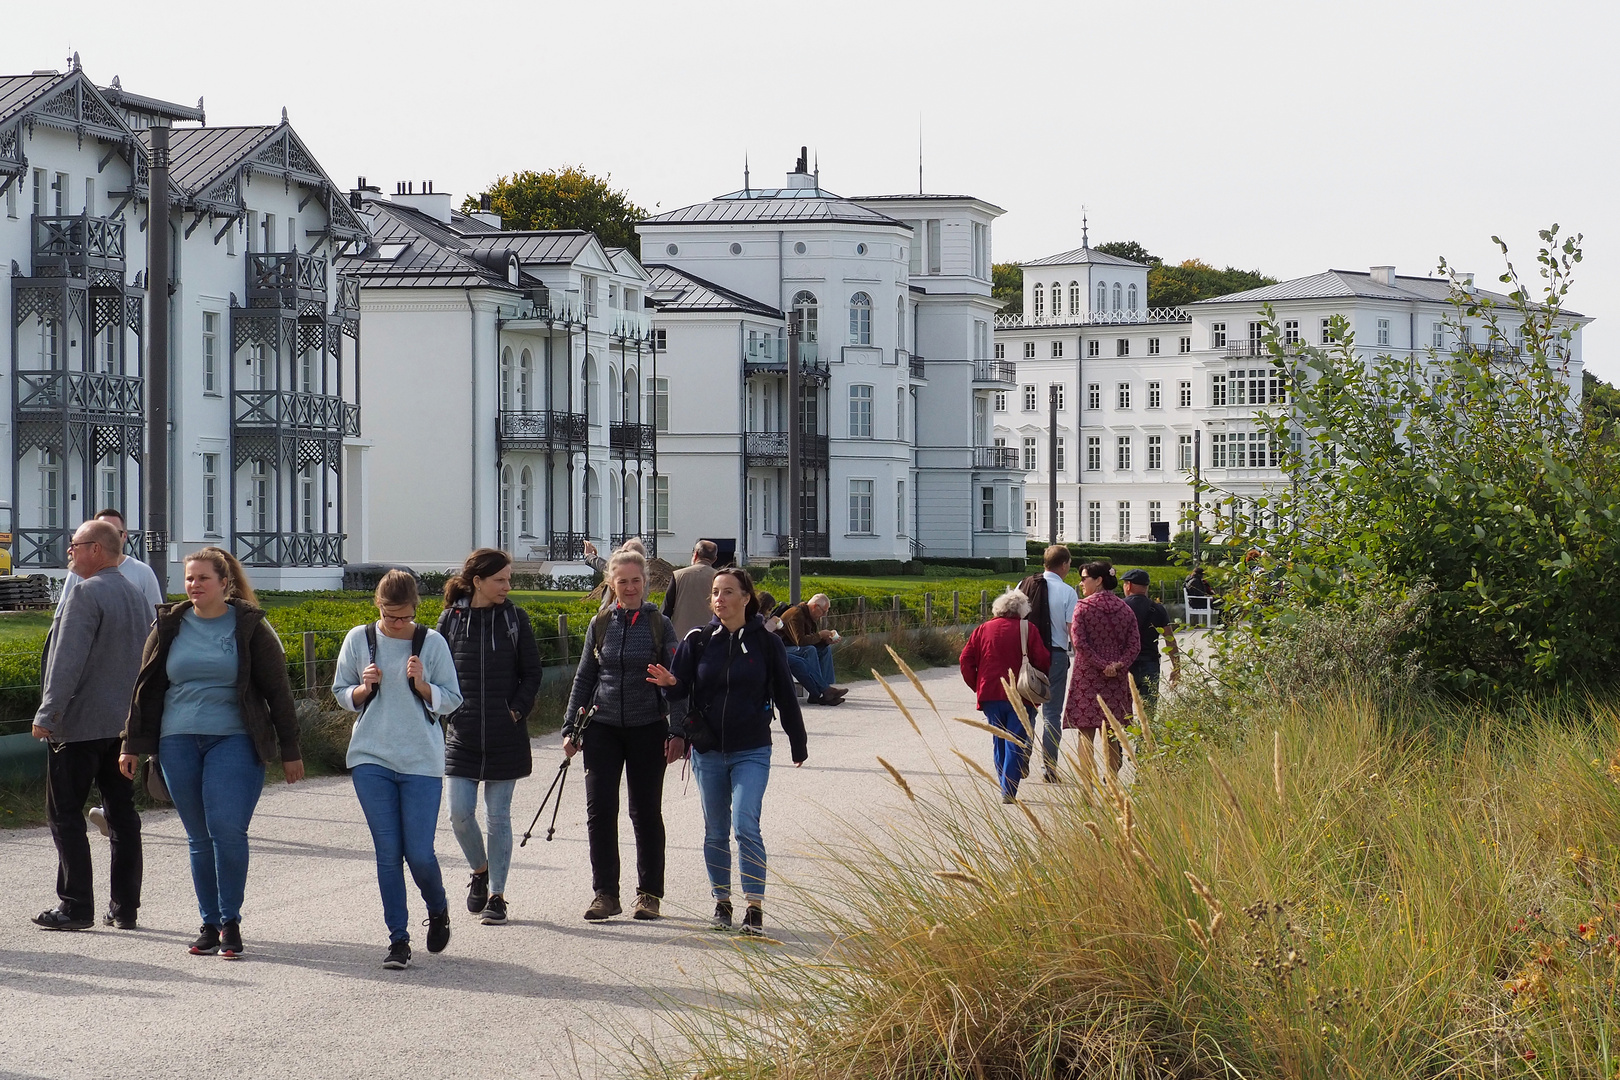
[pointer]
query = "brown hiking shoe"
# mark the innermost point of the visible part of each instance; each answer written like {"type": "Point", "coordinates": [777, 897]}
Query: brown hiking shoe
{"type": "Point", "coordinates": [605, 906]}
{"type": "Point", "coordinates": [646, 906]}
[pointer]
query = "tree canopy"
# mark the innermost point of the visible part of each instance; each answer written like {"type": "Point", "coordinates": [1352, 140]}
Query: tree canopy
{"type": "Point", "coordinates": [1007, 285]}
{"type": "Point", "coordinates": [1195, 279]}
{"type": "Point", "coordinates": [566, 198]}
{"type": "Point", "coordinates": [1128, 249]}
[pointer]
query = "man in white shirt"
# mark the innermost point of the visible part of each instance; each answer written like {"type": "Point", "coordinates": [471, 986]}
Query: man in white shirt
{"type": "Point", "coordinates": [139, 574]}
{"type": "Point", "coordinates": [1060, 601]}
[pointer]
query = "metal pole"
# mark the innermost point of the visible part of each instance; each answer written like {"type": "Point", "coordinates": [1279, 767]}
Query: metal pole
{"type": "Point", "coordinates": [795, 498]}
{"type": "Point", "coordinates": [1051, 463]}
{"type": "Point", "coordinates": [1198, 493]}
{"type": "Point", "coordinates": [155, 503]}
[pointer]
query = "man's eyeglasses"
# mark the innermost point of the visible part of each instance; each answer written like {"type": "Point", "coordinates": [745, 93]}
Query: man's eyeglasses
{"type": "Point", "coordinates": [81, 543]}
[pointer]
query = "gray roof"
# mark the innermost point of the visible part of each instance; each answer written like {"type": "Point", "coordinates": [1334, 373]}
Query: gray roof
{"type": "Point", "coordinates": [692, 293]}
{"type": "Point", "coordinates": [200, 156]}
{"type": "Point", "coordinates": [17, 92]}
{"type": "Point", "coordinates": [1081, 255]}
{"type": "Point", "coordinates": [1357, 284]}
{"type": "Point", "coordinates": [151, 106]}
{"type": "Point", "coordinates": [554, 246]}
{"type": "Point", "coordinates": [775, 204]}
{"type": "Point", "coordinates": [466, 223]}
{"type": "Point", "coordinates": [433, 255]}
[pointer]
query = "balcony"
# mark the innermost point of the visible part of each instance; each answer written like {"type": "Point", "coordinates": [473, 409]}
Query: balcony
{"type": "Point", "coordinates": [78, 396]}
{"type": "Point", "coordinates": [632, 440]}
{"type": "Point", "coordinates": [812, 545]}
{"type": "Point", "coordinates": [47, 548]}
{"type": "Point", "coordinates": [348, 295]}
{"type": "Point", "coordinates": [769, 358]}
{"type": "Point", "coordinates": [650, 541]}
{"type": "Point", "coordinates": [768, 449]}
{"type": "Point", "coordinates": [78, 246]}
{"type": "Point", "coordinates": [567, 546]}
{"type": "Point", "coordinates": [541, 430]}
{"type": "Point", "coordinates": [995, 372]}
{"type": "Point", "coordinates": [628, 325]}
{"type": "Point", "coordinates": [289, 281]}
{"type": "Point", "coordinates": [916, 367]}
{"type": "Point", "coordinates": [289, 548]}
{"type": "Point", "coordinates": [996, 457]}
{"type": "Point", "coordinates": [1094, 318]}
{"type": "Point", "coordinates": [321, 414]}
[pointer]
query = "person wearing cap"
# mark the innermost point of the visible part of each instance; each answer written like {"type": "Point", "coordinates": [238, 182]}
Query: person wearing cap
{"type": "Point", "coordinates": [1150, 619]}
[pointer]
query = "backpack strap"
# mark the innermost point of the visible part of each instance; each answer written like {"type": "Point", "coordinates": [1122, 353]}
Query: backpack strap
{"type": "Point", "coordinates": [418, 637]}
{"type": "Point", "coordinates": [371, 651]}
{"type": "Point", "coordinates": [598, 625]}
{"type": "Point", "coordinates": [1023, 637]}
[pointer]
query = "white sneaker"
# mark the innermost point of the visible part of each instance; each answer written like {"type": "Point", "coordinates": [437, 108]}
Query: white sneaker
{"type": "Point", "coordinates": [98, 818]}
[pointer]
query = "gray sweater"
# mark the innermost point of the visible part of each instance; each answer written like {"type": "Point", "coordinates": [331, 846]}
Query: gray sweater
{"type": "Point", "coordinates": [95, 653]}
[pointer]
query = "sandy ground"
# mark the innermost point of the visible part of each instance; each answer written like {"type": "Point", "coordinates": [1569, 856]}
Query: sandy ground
{"type": "Point", "coordinates": [547, 995]}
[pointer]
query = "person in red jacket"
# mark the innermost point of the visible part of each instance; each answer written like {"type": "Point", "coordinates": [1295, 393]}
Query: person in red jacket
{"type": "Point", "coordinates": [995, 651]}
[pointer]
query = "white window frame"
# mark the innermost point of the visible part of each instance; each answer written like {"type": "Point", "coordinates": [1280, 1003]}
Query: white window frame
{"type": "Point", "coordinates": [862, 492]}
{"type": "Point", "coordinates": [1155, 453]}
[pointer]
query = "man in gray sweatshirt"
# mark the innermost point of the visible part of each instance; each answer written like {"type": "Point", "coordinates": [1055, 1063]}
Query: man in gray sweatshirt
{"type": "Point", "coordinates": [89, 677]}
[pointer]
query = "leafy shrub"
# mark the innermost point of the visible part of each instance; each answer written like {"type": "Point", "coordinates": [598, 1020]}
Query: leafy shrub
{"type": "Point", "coordinates": [1122, 554]}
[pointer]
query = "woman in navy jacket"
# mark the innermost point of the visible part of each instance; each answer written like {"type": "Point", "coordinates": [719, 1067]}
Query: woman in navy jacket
{"type": "Point", "coordinates": [734, 670]}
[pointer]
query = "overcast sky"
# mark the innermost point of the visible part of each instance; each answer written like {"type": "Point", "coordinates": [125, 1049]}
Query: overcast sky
{"type": "Point", "coordinates": [1288, 137]}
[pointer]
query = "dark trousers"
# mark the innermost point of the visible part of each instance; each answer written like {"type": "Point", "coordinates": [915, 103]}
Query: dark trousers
{"type": "Point", "coordinates": [73, 767]}
{"type": "Point", "coordinates": [637, 753]}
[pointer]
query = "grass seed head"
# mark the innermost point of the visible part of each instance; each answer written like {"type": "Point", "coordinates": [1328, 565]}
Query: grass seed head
{"type": "Point", "coordinates": [898, 779]}
{"type": "Point", "coordinates": [905, 712]}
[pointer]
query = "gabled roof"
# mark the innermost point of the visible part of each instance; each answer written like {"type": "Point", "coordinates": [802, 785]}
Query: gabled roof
{"type": "Point", "coordinates": [426, 253]}
{"type": "Point", "coordinates": [775, 204]}
{"type": "Point", "coordinates": [1356, 284]}
{"type": "Point", "coordinates": [68, 101]}
{"type": "Point", "coordinates": [676, 290]}
{"type": "Point", "coordinates": [536, 248]}
{"type": "Point", "coordinates": [19, 91]}
{"type": "Point", "coordinates": [116, 95]}
{"type": "Point", "coordinates": [1084, 255]}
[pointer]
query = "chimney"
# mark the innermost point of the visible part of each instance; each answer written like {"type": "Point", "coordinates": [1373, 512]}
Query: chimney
{"type": "Point", "coordinates": [436, 205]}
{"type": "Point", "coordinates": [800, 179]}
{"type": "Point", "coordinates": [1384, 275]}
{"type": "Point", "coordinates": [362, 191]}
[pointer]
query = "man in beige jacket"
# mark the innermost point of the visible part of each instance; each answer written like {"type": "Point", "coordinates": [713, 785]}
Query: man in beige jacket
{"type": "Point", "coordinates": [687, 601]}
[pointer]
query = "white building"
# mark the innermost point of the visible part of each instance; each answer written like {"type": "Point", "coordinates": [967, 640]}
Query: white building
{"type": "Point", "coordinates": [260, 409]}
{"type": "Point", "coordinates": [1140, 391]}
{"type": "Point", "coordinates": [548, 442]}
{"type": "Point", "coordinates": [892, 297]}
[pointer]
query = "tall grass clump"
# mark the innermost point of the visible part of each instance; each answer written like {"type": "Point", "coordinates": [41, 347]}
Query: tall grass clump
{"type": "Point", "coordinates": [1329, 900]}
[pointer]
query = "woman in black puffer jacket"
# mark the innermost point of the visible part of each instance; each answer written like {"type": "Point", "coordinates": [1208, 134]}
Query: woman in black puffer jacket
{"type": "Point", "coordinates": [487, 739]}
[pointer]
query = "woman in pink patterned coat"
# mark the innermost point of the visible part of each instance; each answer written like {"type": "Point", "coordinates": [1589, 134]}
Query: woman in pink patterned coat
{"type": "Point", "coordinates": [1105, 640]}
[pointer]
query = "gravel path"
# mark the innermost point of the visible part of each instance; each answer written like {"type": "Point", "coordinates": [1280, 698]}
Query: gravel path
{"type": "Point", "coordinates": [547, 995]}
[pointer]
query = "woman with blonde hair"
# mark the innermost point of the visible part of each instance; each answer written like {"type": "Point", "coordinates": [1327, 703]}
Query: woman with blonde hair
{"type": "Point", "coordinates": [214, 703]}
{"type": "Point", "coordinates": [400, 678]}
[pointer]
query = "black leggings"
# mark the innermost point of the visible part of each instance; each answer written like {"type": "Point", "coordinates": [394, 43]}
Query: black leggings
{"type": "Point", "coordinates": [638, 754]}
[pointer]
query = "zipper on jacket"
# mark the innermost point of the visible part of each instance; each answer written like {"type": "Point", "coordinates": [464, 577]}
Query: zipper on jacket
{"type": "Point", "coordinates": [483, 703]}
{"type": "Point", "coordinates": [726, 707]}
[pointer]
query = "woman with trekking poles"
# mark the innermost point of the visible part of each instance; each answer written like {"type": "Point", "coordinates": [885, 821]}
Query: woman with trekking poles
{"type": "Point", "coordinates": [487, 738]}
{"type": "Point", "coordinates": [400, 678]}
{"type": "Point", "coordinates": [621, 722]}
{"type": "Point", "coordinates": [213, 702]}
{"type": "Point", "coordinates": [732, 671]}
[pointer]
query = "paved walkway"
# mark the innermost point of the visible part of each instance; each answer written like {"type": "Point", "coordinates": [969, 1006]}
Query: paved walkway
{"type": "Point", "coordinates": [547, 995]}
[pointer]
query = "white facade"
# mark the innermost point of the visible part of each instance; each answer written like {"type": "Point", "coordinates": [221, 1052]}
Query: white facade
{"type": "Point", "coordinates": [1146, 393]}
{"type": "Point", "coordinates": [892, 295]}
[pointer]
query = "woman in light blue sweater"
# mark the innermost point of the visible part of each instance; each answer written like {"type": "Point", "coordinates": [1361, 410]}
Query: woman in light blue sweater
{"type": "Point", "coordinates": [400, 678]}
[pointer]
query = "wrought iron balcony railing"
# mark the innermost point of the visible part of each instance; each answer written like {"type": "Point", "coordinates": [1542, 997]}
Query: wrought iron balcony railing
{"type": "Point", "coordinates": [1093, 318]}
{"type": "Point", "coordinates": [812, 545]}
{"type": "Point", "coordinates": [79, 395]}
{"type": "Point", "coordinates": [542, 429]}
{"type": "Point", "coordinates": [918, 370]}
{"type": "Point", "coordinates": [289, 548]}
{"type": "Point", "coordinates": [286, 279]}
{"type": "Point", "coordinates": [301, 412]}
{"type": "Point", "coordinates": [632, 440]}
{"type": "Point", "coordinates": [649, 540]}
{"type": "Point", "coordinates": [567, 546]}
{"type": "Point", "coordinates": [74, 245]}
{"type": "Point", "coordinates": [999, 372]}
{"type": "Point", "coordinates": [770, 448]}
{"type": "Point", "coordinates": [996, 457]}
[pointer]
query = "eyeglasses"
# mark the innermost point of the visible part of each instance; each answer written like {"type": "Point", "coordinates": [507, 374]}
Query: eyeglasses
{"type": "Point", "coordinates": [397, 619]}
{"type": "Point", "coordinates": [82, 543]}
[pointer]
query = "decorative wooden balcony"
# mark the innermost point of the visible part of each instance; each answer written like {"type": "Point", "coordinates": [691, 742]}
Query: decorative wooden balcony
{"type": "Point", "coordinates": [78, 396]}
{"type": "Point", "coordinates": [296, 413]}
{"type": "Point", "coordinates": [289, 548]}
{"type": "Point", "coordinates": [79, 246]}
{"type": "Point", "coordinates": [288, 281]}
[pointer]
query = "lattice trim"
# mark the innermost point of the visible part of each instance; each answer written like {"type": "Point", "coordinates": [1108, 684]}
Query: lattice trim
{"type": "Point", "coordinates": [43, 301]}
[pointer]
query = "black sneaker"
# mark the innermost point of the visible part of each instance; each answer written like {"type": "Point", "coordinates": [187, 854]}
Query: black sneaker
{"type": "Point", "coordinates": [118, 920]}
{"type": "Point", "coordinates": [753, 924]}
{"type": "Point", "coordinates": [722, 916]}
{"type": "Point", "coordinates": [494, 913]}
{"type": "Point", "coordinates": [58, 919]}
{"type": "Point", "coordinates": [230, 940]}
{"type": "Point", "coordinates": [478, 892]}
{"type": "Point", "coordinates": [438, 935]}
{"type": "Point", "coordinates": [207, 943]}
{"type": "Point", "coordinates": [399, 956]}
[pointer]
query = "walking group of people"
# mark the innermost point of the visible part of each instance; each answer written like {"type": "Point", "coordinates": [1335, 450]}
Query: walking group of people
{"type": "Point", "coordinates": [201, 689]}
{"type": "Point", "coordinates": [1089, 644]}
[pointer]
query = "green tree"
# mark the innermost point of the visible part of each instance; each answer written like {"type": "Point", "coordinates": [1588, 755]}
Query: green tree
{"type": "Point", "coordinates": [1194, 279]}
{"type": "Point", "coordinates": [1466, 480]}
{"type": "Point", "coordinates": [566, 198]}
{"type": "Point", "coordinates": [1601, 402]}
{"type": "Point", "coordinates": [1129, 249]}
{"type": "Point", "coordinates": [1007, 285]}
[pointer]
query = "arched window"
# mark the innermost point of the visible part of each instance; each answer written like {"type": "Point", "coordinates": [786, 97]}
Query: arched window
{"type": "Point", "coordinates": [1037, 301]}
{"type": "Point", "coordinates": [804, 310]}
{"type": "Point", "coordinates": [525, 381]}
{"type": "Point", "coordinates": [613, 393]}
{"type": "Point", "coordinates": [506, 380]}
{"type": "Point", "coordinates": [1118, 296]}
{"type": "Point", "coordinates": [615, 505]}
{"type": "Point", "coordinates": [505, 510]}
{"type": "Point", "coordinates": [525, 513]}
{"type": "Point", "coordinates": [900, 322]}
{"type": "Point", "coordinates": [632, 400]}
{"type": "Point", "coordinates": [1077, 301]}
{"type": "Point", "coordinates": [593, 505]}
{"type": "Point", "coordinates": [860, 319]}
{"type": "Point", "coordinates": [1057, 299]}
{"type": "Point", "coordinates": [593, 390]}
{"type": "Point", "coordinates": [1131, 305]}
{"type": "Point", "coordinates": [1102, 296]}
{"type": "Point", "coordinates": [632, 498]}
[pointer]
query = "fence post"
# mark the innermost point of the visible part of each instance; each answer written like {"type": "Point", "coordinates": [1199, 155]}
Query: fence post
{"type": "Point", "coordinates": [984, 606]}
{"type": "Point", "coordinates": [309, 663]}
{"type": "Point", "coordinates": [562, 633]}
{"type": "Point", "coordinates": [860, 613]}
{"type": "Point", "coordinates": [956, 607]}
{"type": "Point", "coordinates": [928, 609]}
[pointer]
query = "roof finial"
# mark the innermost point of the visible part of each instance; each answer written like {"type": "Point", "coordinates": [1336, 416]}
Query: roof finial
{"type": "Point", "coordinates": [919, 154]}
{"type": "Point", "coordinates": [74, 63]}
{"type": "Point", "coordinates": [284, 114]}
{"type": "Point", "coordinates": [818, 169]}
{"type": "Point", "coordinates": [745, 175]}
{"type": "Point", "coordinates": [1085, 237]}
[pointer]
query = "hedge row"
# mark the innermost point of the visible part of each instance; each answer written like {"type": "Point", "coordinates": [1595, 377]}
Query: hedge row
{"type": "Point", "coordinates": [1119, 554]}
{"type": "Point", "coordinates": [901, 568]}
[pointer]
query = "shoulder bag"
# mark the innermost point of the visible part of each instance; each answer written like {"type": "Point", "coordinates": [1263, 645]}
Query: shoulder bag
{"type": "Point", "coordinates": [1033, 684]}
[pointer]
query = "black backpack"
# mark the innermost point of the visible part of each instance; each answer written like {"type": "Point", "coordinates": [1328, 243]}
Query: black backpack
{"type": "Point", "coordinates": [418, 637]}
{"type": "Point", "coordinates": [1040, 607]}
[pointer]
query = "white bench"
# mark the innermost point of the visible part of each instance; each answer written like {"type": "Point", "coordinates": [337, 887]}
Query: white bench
{"type": "Point", "coordinates": [1199, 607]}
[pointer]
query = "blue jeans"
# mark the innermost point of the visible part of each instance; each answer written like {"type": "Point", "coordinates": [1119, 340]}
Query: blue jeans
{"type": "Point", "coordinates": [732, 787]}
{"type": "Point", "coordinates": [402, 812]}
{"type": "Point", "coordinates": [812, 665]}
{"type": "Point", "coordinates": [1009, 759]}
{"type": "Point", "coordinates": [215, 781]}
{"type": "Point", "coordinates": [464, 820]}
{"type": "Point", "coordinates": [1052, 711]}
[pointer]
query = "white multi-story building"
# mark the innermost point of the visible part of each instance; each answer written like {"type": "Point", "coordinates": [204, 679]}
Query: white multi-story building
{"type": "Point", "coordinates": [260, 410]}
{"type": "Point", "coordinates": [891, 295]}
{"type": "Point", "coordinates": [1144, 393]}
{"type": "Point", "coordinates": [548, 443]}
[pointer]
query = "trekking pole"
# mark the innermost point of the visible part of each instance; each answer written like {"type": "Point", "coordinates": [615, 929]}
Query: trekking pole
{"type": "Point", "coordinates": [556, 786]}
